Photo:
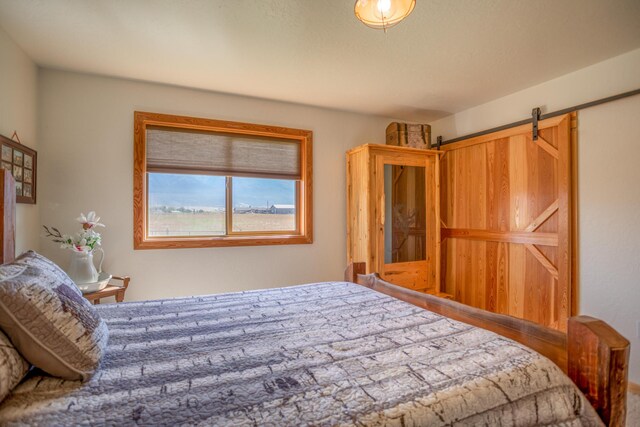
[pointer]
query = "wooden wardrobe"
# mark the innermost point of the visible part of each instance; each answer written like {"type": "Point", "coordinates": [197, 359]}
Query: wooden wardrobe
{"type": "Point", "coordinates": [393, 214]}
{"type": "Point", "coordinates": [500, 223]}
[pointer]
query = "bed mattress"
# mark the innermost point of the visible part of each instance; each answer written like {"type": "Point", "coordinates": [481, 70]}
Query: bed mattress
{"type": "Point", "coordinates": [322, 354]}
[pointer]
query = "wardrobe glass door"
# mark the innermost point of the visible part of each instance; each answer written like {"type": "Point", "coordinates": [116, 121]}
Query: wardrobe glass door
{"type": "Point", "coordinates": [405, 213]}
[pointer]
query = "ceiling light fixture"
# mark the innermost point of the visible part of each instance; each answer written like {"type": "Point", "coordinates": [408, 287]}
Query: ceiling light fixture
{"type": "Point", "coordinates": [383, 14]}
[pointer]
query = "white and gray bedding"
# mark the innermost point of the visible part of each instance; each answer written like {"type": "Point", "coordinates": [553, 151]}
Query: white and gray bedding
{"type": "Point", "coordinates": [321, 354]}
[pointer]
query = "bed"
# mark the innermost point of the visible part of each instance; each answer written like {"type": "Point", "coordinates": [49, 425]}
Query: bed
{"type": "Point", "coordinates": [359, 352]}
{"type": "Point", "coordinates": [321, 354]}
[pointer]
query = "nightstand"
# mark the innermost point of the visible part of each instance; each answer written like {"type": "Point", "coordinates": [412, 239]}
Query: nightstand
{"type": "Point", "coordinates": [110, 291]}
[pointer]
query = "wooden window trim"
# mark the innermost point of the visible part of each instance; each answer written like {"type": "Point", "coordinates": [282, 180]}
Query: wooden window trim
{"type": "Point", "coordinates": [304, 188]}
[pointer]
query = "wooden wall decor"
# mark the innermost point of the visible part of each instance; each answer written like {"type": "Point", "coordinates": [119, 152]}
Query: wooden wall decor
{"type": "Point", "coordinates": [507, 217]}
{"type": "Point", "coordinates": [22, 162]}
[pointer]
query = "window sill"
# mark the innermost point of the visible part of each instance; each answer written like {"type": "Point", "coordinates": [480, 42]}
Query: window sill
{"type": "Point", "coordinates": [223, 241]}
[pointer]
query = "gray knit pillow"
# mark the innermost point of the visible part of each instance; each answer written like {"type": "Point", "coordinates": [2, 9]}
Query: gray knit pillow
{"type": "Point", "coordinates": [13, 367]}
{"type": "Point", "coordinates": [48, 320]}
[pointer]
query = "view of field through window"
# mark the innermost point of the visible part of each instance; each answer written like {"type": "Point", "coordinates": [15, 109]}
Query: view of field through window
{"type": "Point", "coordinates": [195, 205]}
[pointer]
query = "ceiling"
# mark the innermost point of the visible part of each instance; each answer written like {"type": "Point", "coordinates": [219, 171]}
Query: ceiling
{"type": "Point", "coordinates": [447, 56]}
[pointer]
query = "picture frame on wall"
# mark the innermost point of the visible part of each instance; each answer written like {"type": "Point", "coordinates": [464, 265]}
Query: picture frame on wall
{"type": "Point", "coordinates": [22, 162]}
{"type": "Point", "coordinates": [7, 154]}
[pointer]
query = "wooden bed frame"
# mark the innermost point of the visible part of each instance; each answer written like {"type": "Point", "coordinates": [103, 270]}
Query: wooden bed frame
{"type": "Point", "coordinates": [593, 354]}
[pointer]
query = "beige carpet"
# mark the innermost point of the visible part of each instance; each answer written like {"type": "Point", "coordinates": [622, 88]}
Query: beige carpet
{"type": "Point", "coordinates": [633, 410]}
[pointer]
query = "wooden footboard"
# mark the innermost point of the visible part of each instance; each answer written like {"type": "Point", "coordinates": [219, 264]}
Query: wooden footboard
{"type": "Point", "coordinates": [599, 365]}
{"type": "Point", "coordinates": [593, 354]}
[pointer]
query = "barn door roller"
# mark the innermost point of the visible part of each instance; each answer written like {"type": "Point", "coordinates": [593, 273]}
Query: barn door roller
{"type": "Point", "coordinates": [535, 116]}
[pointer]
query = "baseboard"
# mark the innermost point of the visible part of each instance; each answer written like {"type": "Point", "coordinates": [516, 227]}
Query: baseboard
{"type": "Point", "coordinates": [634, 388]}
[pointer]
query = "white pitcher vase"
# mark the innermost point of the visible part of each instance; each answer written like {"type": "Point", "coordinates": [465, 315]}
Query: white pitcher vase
{"type": "Point", "coordinates": [82, 269]}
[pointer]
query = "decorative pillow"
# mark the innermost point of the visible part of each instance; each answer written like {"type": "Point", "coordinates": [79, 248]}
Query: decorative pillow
{"type": "Point", "coordinates": [13, 367]}
{"type": "Point", "coordinates": [48, 320]}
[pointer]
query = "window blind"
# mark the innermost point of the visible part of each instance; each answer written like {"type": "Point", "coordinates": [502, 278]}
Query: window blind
{"type": "Point", "coordinates": [217, 153]}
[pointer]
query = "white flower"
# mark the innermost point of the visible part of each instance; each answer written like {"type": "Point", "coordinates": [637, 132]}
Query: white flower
{"type": "Point", "coordinates": [89, 221]}
{"type": "Point", "coordinates": [85, 240]}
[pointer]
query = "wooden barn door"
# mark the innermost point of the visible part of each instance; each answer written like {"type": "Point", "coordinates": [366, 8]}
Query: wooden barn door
{"type": "Point", "coordinates": [506, 222]}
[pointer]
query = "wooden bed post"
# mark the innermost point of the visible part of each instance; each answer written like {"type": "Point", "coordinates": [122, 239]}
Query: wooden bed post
{"type": "Point", "coordinates": [352, 271]}
{"type": "Point", "coordinates": [7, 217]}
{"type": "Point", "coordinates": [593, 354]}
{"type": "Point", "coordinates": [598, 363]}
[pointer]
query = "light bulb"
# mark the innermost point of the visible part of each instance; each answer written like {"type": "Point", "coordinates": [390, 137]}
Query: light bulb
{"type": "Point", "coordinates": [383, 14]}
{"type": "Point", "coordinates": [384, 6]}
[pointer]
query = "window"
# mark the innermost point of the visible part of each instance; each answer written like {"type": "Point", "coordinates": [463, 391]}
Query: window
{"type": "Point", "coordinates": [202, 183]}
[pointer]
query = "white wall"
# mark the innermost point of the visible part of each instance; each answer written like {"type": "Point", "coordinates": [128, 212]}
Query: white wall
{"type": "Point", "coordinates": [610, 77]}
{"type": "Point", "coordinates": [18, 87]}
{"type": "Point", "coordinates": [86, 147]}
{"type": "Point", "coordinates": [608, 181]}
{"type": "Point", "coordinates": [609, 209]}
